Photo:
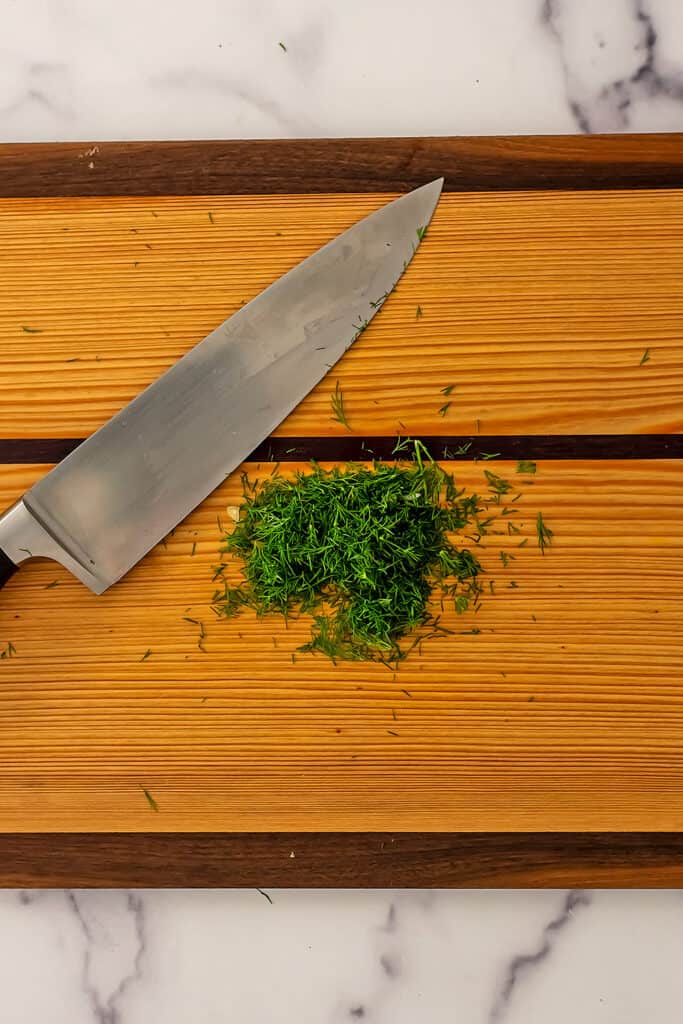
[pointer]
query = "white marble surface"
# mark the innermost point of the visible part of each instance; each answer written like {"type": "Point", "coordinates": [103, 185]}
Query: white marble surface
{"type": "Point", "coordinates": [123, 69]}
{"type": "Point", "coordinates": [329, 957]}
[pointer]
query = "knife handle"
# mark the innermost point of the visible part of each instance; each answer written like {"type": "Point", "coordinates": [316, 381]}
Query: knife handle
{"type": "Point", "coordinates": [7, 568]}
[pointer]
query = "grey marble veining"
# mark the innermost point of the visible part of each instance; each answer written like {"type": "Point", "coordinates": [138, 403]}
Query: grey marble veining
{"type": "Point", "coordinates": [325, 957]}
{"type": "Point", "coordinates": [72, 69]}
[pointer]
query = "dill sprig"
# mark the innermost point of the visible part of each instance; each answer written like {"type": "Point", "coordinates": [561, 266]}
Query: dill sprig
{"type": "Point", "coordinates": [544, 533]}
{"type": "Point", "coordinates": [150, 799]}
{"type": "Point", "coordinates": [338, 410]}
{"type": "Point", "coordinates": [360, 549]}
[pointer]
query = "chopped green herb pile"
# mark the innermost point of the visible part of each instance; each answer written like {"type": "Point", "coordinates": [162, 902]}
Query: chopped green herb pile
{"type": "Point", "coordinates": [361, 549]}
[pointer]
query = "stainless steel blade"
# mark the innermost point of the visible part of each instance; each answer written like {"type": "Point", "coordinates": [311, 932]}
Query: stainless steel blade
{"type": "Point", "coordinates": [124, 488]}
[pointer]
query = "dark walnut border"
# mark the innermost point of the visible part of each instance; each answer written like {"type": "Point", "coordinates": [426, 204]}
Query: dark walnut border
{"type": "Point", "coordinates": [280, 166]}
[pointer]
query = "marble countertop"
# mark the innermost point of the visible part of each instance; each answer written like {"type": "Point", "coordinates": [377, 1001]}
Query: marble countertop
{"type": "Point", "coordinates": [142, 69]}
{"type": "Point", "coordinates": [217, 957]}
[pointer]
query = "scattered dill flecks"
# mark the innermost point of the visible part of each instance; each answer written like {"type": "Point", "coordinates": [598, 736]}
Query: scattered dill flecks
{"type": "Point", "coordinates": [544, 533]}
{"type": "Point", "coordinates": [646, 357]}
{"type": "Point", "coordinates": [444, 409]}
{"type": "Point", "coordinates": [360, 549]}
{"type": "Point", "coordinates": [29, 553]}
{"type": "Point", "coordinates": [194, 547]}
{"type": "Point", "coordinates": [73, 359]}
{"type": "Point", "coordinates": [478, 425]}
{"type": "Point", "coordinates": [284, 48]}
{"type": "Point", "coordinates": [186, 618]}
{"type": "Point", "coordinates": [8, 651]}
{"type": "Point", "coordinates": [489, 455]}
{"type": "Point", "coordinates": [49, 586]}
{"type": "Point", "coordinates": [338, 411]}
{"type": "Point", "coordinates": [146, 655]}
{"type": "Point", "coordinates": [514, 584]}
{"type": "Point", "coordinates": [497, 484]}
{"type": "Point", "coordinates": [210, 216]}
{"type": "Point", "coordinates": [262, 891]}
{"type": "Point", "coordinates": [526, 466]}
{"type": "Point", "coordinates": [149, 798]}
{"type": "Point", "coordinates": [418, 312]}
{"type": "Point", "coordinates": [447, 390]}
{"type": "Point", "coordinates": [421, 232]}
{"type": "Point", "coordinates": [31, 330]}
{"type": "Point", "coordinates": [391, 732]}
{"type": "Point", "coordinates": [464, 448]}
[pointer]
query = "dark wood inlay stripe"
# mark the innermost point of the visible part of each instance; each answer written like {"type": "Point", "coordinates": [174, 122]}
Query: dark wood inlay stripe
{"type": "Point", "coordinates": [14, 451]}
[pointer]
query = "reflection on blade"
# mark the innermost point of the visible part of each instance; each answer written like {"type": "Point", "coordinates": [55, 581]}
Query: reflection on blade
{"type": "Point", "coordinates": [124, 488]}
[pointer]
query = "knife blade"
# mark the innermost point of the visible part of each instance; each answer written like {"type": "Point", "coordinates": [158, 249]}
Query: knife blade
{"type": "Point", "coordinates": [124, 488]}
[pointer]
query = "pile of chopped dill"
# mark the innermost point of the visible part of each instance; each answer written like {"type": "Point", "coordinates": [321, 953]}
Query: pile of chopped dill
{"type": "Point", "coordinates": [364, 550]}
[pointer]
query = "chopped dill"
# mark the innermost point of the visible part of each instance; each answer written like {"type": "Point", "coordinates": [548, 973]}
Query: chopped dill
{"type": "Point", "coordinates": [447, 390]}
{"type": "Point", "coordinates": [210, 216]}
{"type": "Point", "coordinates": [338, 410]}
{"type": "Point", "coordinates": [420, 233]}
{"type": "Point", "coordinates": [526, 466]}
{"type": "Point", "coordinates": [194, 547]}
{"type": "Point", "coordinates": [544, 533]}
{"type": "Point", "coordinates": [284, 49]}
{"type": "Point", "coordinates": [444, 408]}
{"type": "Point", "coordinates": [150, 799]}
{"type": "Point", "coordinates": [646, 357]}
{"type": "Point", "coordinates": [31, 330]}
{"type": "Point", "coordinates": [8, 651]}
{"type": "Point", "coordinates": [146, 655]}
{"type": "Point", "coordinates": [360, 549]}
{"type": "Point", "coordinates": [49, 586]}
{"type": "Point", "coordinates": [262, 891]}
{"type": "Point", "coordinates": [489, 455]}
{"type": "Point", "coordinates": [418, 312]}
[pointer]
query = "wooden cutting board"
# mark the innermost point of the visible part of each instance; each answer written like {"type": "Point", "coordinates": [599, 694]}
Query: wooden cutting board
{"type": "Point", "coordinates": [541, 742]}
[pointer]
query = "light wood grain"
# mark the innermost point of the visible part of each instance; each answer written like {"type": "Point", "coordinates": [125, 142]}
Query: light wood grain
{"type": "Point", "coordinates": [569, 720]}
{"type": "Point", "coordinates": [538, 306]}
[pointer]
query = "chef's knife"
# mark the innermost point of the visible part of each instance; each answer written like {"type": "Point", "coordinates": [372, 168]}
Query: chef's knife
{"type": "Point", "coordinates": [124, 488]}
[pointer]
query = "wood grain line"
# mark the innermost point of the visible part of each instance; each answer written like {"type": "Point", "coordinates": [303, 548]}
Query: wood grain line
{"type": "Point", "coordinates": [42, 450]}
{"type": "Point", "coordinates": [279, 166]}
{"type": "Point", "coordinates": [342, 859]}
